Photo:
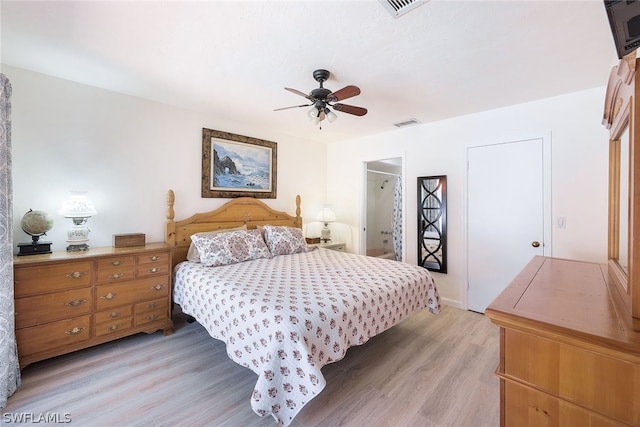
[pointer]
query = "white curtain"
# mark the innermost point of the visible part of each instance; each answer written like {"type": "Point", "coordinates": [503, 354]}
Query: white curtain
{"type": "Point", "coordinates": [9, 367]}
{"type": "Point", "coordinates": [397, 220]}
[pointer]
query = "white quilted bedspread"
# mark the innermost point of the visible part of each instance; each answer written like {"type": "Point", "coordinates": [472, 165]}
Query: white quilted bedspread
{"type": "Point", "coordinates": [286, 317]}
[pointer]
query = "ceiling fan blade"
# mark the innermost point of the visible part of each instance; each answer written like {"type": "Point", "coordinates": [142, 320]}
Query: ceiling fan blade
{"type": "Point", "coordinates": [297, 92]}
{"type": "Point", "coordinates": [293, 106]}
{"type": "Point", "coordinates": [344, 93]}
{"type": "Point", "coordinates": [350, 109]}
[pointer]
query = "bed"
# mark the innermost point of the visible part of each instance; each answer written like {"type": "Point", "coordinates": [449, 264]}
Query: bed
{"type": "Point", "coordinates": [287, 312]}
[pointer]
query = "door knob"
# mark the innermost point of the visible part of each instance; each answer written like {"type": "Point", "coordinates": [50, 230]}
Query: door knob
{"type": "Point", "coordinates": [535, 243]}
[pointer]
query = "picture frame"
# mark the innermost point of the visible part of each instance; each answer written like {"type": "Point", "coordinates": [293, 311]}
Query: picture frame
{"type": "Point", "coordinates": [238, 166]}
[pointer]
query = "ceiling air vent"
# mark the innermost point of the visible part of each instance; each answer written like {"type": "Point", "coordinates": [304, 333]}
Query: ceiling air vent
{"type": "Point", "coordinates": [408, 122]}
{"type": "Point", "coordinates": [398, 8]}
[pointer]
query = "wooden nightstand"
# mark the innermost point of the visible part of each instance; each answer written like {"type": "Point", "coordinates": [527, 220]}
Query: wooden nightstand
{"type": "Point", "coordinates": [334, 246]}
{"type": "Point", "coordinates": [66, 301]}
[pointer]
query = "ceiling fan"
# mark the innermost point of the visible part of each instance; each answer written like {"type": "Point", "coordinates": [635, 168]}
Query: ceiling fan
{"type": "Point", "coordinates": [322, 98]}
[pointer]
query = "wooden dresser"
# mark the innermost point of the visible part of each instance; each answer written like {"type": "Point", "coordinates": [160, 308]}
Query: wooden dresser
{"type": "Point", "coordinates": [66, 301]}
{"type": "Point", "coordinates": [568, 355]}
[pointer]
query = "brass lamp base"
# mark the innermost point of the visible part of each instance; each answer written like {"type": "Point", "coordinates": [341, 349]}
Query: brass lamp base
{"type": "Point", "coordinates": [325, 234]}
{"type": "Point", "coordinates": [78, 248]}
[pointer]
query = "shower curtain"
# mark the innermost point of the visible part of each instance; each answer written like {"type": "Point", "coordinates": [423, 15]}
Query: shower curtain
{"type": "Point", "coordinates": [9, 367]}
{"type": "Point", "coordinates": [397, 220]}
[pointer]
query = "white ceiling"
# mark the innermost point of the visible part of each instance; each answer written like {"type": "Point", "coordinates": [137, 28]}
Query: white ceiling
{"type": "Point", "coordinates": [232, 59]}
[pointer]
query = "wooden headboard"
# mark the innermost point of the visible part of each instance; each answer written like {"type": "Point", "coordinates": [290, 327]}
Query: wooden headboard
{"type": "Point", "coordinates": [235, 213]}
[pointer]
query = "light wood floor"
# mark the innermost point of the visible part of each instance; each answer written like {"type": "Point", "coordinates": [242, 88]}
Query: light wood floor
{"type": "Point", "coordinates": [427, 371]}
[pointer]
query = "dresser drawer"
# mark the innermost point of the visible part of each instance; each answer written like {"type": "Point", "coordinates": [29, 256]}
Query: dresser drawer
{"type": "Point", "coordinates": [153, 258]}
{"type": "Point", "coordinates": [151, 311]}
{"type": "Point", "coordinates": [110, 321]}
{"type": "Point", "coordinates": [117, 274]}
{"type": "Point", "coordinates": [117, 294]}
{"type": "Point", "coordinates": [115, 262]}
{"type": "Point", "coordinates": [561, 370]}
{"type": "Point", "coordinates": [153, 264]}
{"type": "Point", "coordinates": [36, 339]}
{"type": "Point", "coordinates": [49, 278]}
{"type": "Point", "coordinates": [47, 307]}
{"type": "Point", "coordinates": [115, 269]}
{"type": "Point", "coordinates": [161, 303]}
{"type": "Point", "coordinates": [528, 407]}
{"type": "Point", "coordinates": [110, 315]}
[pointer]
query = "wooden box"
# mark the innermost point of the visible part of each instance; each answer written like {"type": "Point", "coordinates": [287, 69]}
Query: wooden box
{"type": "Point", "coordinates": [312, 240]}
{"type": "Point", "coordinates": [128, 240]}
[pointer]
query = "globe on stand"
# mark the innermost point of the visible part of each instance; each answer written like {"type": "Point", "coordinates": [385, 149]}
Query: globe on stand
{"type": "Point", "coordinates": [35, 224]}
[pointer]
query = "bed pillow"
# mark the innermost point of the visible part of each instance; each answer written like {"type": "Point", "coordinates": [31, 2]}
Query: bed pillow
{"type": "Point", "coordinates": [282, 240]}
{"type": "Point", "coordinates": [231, 247]}
{"type": "Point", "coordinates": [194, 256]}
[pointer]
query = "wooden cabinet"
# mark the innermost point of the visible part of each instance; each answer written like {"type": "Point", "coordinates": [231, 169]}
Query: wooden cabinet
{"type": "Point", "coordinates": [68, 301]}
{"type": "Point", "coordinates": [568, 354]}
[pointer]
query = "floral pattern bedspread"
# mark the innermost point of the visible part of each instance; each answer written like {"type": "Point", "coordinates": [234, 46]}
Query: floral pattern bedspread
{"type": "Point", "coordinates": [286, 317]}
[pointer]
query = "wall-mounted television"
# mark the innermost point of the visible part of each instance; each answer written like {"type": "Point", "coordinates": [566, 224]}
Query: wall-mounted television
{"type": "Point", "coordinates": [624, 18]}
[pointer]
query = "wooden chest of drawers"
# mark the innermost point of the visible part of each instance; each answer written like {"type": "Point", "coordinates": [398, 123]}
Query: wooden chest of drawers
{"type": "Point", "coordinates": [567, 357]}
{"type": "Point", "coordinates": [69, 301]}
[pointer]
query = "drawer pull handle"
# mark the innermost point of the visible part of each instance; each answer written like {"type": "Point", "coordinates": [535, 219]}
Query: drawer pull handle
{"type": "Point", "coordinates": [116, 275]}
{"type": "Point", "coordinates": [75, 302]}
{"type": "Point", "coordinates": [154, 270]}
{"type": "Point", "coordinates": [153, 317]}
{"type": "Point", "coordinates": [114, 327]}
{"type": "Point", "coordinates": [116, 263]}
{"type": "Point", "coordinates": [157, 287]}
{"type": "Point", "coordinates": [154, 258]}
{"type": "Point", "coordinates": [108, 296]}
{"type": "Point", "coordinates": [152, 305]}
{"type": "Point", "coordinates": [75, 331]}
{"type": "Point", "coordinates": [113, 314]}
{"type": "Point", "coordinates": [77, 274]}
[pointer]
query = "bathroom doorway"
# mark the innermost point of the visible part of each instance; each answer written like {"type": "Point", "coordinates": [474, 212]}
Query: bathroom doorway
{"type": "Point", "coordinates": [383, 229]}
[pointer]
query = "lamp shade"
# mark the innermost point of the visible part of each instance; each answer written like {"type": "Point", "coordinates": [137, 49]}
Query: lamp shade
{"type": "Point", "coordinates": [331, 116]}
{"type": "Point", "coordinates": [77, 205]}
{"type": "Point", "coordinates": [326, 215]}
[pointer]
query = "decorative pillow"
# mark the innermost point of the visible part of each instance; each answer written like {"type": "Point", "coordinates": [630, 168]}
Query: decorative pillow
{"type": "Point", "coordinates": [283, 240]}
{"type": "Point", "coordinates": [194, 256]}
{"type": "Point", "coordinates": [231, 247]}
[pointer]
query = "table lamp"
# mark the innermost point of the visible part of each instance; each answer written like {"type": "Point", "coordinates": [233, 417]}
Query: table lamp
{"type": "Point", "coordinates": [79, 208]}
{"type": "Point", "coordinates": [326, 216]}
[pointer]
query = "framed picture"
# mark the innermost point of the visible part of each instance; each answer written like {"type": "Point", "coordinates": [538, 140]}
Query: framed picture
{"type": "Point", "coordinates": [238, 166]}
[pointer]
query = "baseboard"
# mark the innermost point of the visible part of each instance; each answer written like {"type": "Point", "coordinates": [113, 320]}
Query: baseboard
{"type": "Point", "coordinates": [452, 303]}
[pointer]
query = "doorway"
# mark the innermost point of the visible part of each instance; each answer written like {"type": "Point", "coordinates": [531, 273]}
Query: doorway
{"type": "Point", "coordinates": [383, 228]}
{"type": "Point", "coordinates": [508, 214]}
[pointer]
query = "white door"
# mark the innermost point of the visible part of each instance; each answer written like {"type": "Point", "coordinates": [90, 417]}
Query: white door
{"type": "Point", "coordinates": [507, 206]}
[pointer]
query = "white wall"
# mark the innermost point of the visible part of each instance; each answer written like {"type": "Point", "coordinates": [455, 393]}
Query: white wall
{"type": "Point", "coordinates": [579, 174]}
{"type": "Point", "coordinates": [127, 152]}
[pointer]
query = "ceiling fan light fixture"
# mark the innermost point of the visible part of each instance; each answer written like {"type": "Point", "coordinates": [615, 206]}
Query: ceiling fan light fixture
{"type": "Point", "coordinates": [331, 116]}
{"type": "Point", "coordinates": [322, 98]}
